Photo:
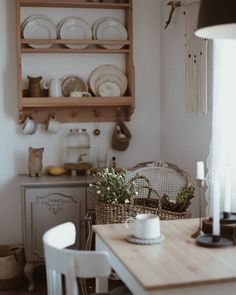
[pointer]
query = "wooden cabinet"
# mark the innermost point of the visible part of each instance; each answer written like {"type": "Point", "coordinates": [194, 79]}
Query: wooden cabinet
{"type": "Point", "coordinates": [71, 109]}
{"type": "Point", "coordinates": [46, 202]}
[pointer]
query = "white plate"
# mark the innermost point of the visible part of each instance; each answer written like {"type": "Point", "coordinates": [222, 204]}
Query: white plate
{"type": "Point", "coordinates": [111, 29]}
{"type": "Point", "coordinates": [96, 24]}
{"type": "Point", "coordinates": [75, 28]}
{"type": "Point", "coordinates": [107, 70]}
{"type": "Point", "coordinates": [109, 89]}
{"type": "Point", "coordinates": [73, 83]}
{"type": "Point", "coordinates": [39, 27]}
{"type": "Point", "coordinates": [29, 18]}
{"type": "Point", "coordinates": [113, 79]}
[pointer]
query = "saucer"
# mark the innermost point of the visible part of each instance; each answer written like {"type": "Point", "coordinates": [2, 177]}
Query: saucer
{"type": "Point", "coordinates": [132, 239]}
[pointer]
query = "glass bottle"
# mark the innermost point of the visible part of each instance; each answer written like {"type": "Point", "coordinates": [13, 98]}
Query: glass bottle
{"type": "Point", "coordinates": [78, 146]}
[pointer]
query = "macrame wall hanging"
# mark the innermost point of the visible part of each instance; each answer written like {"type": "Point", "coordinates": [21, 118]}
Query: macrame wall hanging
{"type": "Point", "coordinates": [195, 57]}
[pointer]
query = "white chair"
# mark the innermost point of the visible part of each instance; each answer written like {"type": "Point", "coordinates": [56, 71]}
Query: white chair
{"type": "Point", "coordinates": [73, 264]}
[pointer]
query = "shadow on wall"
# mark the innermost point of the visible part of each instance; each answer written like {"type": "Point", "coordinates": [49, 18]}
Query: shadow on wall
{"type": "Point", "coordinates": [10, 102]}
{"type": "Point", "coordinates": [10, 203]}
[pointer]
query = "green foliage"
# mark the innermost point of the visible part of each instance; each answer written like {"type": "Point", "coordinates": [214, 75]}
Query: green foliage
{"type": "Point", "coordinates": [113, 187]}
{"type": "Point", "coordinates": [182, 201]}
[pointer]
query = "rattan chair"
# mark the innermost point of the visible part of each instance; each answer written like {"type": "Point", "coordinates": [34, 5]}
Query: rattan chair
{"type": "Point", "coordinates": [163, 177]}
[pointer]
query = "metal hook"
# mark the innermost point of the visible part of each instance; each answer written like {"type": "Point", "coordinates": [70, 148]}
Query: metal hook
{"type": "Point", "coordinates": [53, 115]}
{"type": "Point", "coordinates": [118, 114]}
{"type": "Point", "coordinates": [96, 113]}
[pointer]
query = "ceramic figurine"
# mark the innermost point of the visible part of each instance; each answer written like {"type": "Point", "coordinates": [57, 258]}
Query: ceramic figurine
{"type": "Point", "coordinates": [35, 161]}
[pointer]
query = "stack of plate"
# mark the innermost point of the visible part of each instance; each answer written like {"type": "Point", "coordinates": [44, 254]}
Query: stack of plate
{"type": "Point", "coordinates": [74, 28]}
{"type": "Point", "coordinates": [108, 28]}
{"type": "Point", "coordinates": [108, 80]}
{"type": "Point", "coordinates": [38, 27]}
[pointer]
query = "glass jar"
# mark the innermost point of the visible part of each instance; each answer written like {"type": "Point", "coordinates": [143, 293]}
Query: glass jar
{"type": "Point", "coordinates": [78, 146]}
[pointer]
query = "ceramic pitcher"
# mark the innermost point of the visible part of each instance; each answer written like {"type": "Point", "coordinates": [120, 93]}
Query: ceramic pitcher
{"type": "Point", "coordinates": [54, 86]}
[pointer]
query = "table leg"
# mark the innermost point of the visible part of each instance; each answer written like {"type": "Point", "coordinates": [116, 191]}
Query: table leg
{"type": "Point", "coordinates": [101, 283]}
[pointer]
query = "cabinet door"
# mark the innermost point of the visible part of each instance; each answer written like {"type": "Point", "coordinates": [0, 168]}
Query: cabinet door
{"type": "Point", "coordinates": [46, 207]}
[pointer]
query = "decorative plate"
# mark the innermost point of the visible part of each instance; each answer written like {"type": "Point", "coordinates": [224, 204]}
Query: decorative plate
{"type": "Point", "coordinates": [111, 78]}
{"type": "Point", "coordinates": [39, 27]}
{"type": "Point", "coordinates": [31, 17]}
{"type": "Point", "coordinates": [74, 28]}
{"type": "Point", "coordinates": [95, 25]}
{"type": "Point", "coordinates": [132, 239]}
{"type": "Point", "coordinates": [111, 29]}
{"type": "Point", "coordinates": [109, 89]}
{"type": "Point", "coordinates": [107, 70]}
{"type": "Point", "coordinates": [73, 83]}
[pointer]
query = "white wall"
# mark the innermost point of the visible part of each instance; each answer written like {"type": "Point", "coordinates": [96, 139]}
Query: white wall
{"type": "Point", "coordinates": [184, 137]}
{"type": "Point", "coordinates": [145, 123]}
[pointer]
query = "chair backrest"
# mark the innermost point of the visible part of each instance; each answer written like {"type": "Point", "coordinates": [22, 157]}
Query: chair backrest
{"type": "Point", "coordinates": [162, 176]}
{"type": "Point", "coordinates": [71, 263]}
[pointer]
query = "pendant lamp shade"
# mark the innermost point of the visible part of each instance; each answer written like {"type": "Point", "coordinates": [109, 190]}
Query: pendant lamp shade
{"type": "Point", "coordinates": [217, 19]}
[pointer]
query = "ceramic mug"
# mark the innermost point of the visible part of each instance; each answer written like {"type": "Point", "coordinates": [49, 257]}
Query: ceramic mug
{"type": "Point", "coordinates": [54, 86]}
{"type": "Point", "coordinates": [79, 94]}
{"type": "Point", "coordinates": [144, 226]}
{"type": "Point", "coordinates": [29, 126]}
{"type": "Point", "coordinates": [53, 124]}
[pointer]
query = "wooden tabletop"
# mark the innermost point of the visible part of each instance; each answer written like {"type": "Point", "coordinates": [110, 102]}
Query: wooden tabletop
{"type": "Point", "coordinates": [176, 262]}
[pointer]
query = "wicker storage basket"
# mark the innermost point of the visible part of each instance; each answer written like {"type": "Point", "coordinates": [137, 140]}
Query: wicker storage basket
{"type": "Point", "coordinates": [108, 214]}
{"type": "Point", "coordinates": [118, 143]}
{"type": "Point", "coordinates": [12, 263]}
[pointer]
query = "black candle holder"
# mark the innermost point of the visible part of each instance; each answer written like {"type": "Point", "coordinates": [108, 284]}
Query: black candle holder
{"type": "Point", "coordinates": [213, 241]}
{"type": "Point", "coordinates": [228, 217]}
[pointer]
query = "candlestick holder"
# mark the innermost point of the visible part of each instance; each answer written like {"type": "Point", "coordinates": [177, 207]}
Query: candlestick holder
{"type": "Point", "coordinates": [200, 185]}
{"type": "Point", "coordinates": [228, 217]}
{"type": "Point", "coordinates": [213, 241]}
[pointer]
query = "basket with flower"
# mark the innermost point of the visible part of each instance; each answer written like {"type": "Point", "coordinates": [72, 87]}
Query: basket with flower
{"type": "Point", "coordinates": [116, 198]}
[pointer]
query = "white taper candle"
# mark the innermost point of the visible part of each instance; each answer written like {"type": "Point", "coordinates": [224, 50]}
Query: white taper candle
{"type": "Point", "coordinates": [200, 170]}
{"type": "Point", "coordinates": [215, 198]}
{"type": "Point", "coordinates": [227, 192]}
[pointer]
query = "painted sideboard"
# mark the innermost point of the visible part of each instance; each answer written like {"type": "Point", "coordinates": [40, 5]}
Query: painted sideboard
{"type": "Point", "coordinates": [46, 202]}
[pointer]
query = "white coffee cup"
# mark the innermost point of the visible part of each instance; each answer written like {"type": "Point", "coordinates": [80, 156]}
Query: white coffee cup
{"type": "Point", "coordinates": [54, 86]}
{"type": "Point", "coordinates": [53, 124]}
{"type": "Point", "coordinates": [144, 226]}
{"type": "Point", "coordinates": [29, 126]}
{"type": "Point", "coordinates": [79, 94]}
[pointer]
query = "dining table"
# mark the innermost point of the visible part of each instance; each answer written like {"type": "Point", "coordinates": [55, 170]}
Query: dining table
{"type": "Point", "coordinates": [177, 265]}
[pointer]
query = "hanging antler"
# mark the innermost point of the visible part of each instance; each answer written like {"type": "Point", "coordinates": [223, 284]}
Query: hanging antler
{"type": "Point", "coordinates": [177, 3]}
{"type": "Point", "coordinates": [173, 4]}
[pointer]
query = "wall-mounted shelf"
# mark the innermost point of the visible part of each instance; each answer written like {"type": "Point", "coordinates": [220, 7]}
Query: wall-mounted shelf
{"type": "Point", "coordinates": [86, 109]}
{"type": "Point", "coordinates": [74, 4]}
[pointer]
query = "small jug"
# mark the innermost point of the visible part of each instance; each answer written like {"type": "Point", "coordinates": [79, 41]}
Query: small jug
{"type": "Point", "coordinates": [54, 86]}
{"type": "Point", "coordinates": [34, 86]}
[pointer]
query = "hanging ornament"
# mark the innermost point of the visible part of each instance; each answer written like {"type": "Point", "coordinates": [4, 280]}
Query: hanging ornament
{"type": "Point", "coordinates": [96, 130]}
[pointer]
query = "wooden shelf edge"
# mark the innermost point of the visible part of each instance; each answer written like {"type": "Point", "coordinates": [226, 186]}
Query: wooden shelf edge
{"type": "Point", "coordinates": [75, 41]}
{"type": "Point", "coordinates": [73, 4]}
{"type": "Point", "coordinates": [69, 50]}
{"type": "Point", "coordinates": [57, 102]}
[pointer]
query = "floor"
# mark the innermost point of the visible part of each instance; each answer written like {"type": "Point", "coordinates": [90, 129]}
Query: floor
{"type": "Point", "coordinates": [41, 286]}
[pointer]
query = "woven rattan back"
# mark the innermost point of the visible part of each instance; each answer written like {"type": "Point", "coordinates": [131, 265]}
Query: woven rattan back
{"type": "Point", "coordinates": [162, 176]}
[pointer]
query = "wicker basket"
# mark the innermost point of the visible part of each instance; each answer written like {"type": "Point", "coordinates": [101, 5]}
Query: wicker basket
{"type": "Point", "coordinates": [118, 143]}
{"type": "Point", "coordinates": [118, 213]}
{"type": "Point", "coordinates": [12, 263]}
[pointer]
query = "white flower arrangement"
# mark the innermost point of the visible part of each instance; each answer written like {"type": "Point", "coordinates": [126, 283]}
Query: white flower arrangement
{"type": "Point", "coordinates": [113, 187]}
